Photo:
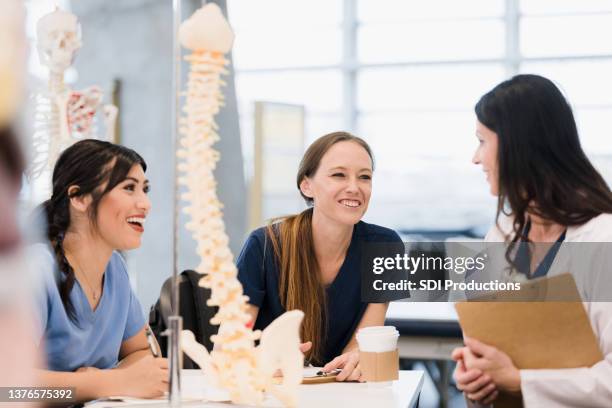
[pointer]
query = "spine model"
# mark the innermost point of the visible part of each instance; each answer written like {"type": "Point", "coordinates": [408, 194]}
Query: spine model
{"type": "Point", "coordinates": [234, 359]}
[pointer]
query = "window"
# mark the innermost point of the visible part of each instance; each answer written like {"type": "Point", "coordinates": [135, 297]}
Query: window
{"type": "Point", "coordinates": [567, 42]}
{"type": "Point", "coordinates": [405, 75]}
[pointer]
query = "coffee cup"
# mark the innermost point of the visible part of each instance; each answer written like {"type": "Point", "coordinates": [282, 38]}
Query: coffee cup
{"type": "Point", "coordinates": [379, 358]}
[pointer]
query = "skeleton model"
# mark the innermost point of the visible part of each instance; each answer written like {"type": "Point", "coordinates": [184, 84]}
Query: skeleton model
{"type": "Point", "coordinates": [235, 365]}
{"type": "Point", "coordinates": [63, 115]}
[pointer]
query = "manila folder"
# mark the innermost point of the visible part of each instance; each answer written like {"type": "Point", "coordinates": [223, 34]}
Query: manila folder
{"type": "Point", "coordinates": [534, 334]}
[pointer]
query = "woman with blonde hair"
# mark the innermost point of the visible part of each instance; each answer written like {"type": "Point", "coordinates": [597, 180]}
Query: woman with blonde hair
{"type": "Point", "coordinates": [311, 261]}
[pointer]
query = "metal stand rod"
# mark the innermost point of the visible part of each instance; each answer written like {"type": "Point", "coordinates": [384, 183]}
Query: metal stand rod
{"type": "Point", "coordinates": [176, 106]}
{"type": "Point", "coordinates": [175, 322]}
{"type": "Point", "coordinates": [175, 356]}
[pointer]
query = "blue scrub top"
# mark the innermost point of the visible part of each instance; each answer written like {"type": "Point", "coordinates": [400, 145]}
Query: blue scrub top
{"type": "Point", "coordinates": [95, 339]}
{"type": "Point", "coordinates": [259, 278]}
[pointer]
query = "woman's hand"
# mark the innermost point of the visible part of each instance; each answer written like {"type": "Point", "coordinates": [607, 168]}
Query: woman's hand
{"type": "Point", "coordinates": [349, 363]}
{"type": "Point", "coordinates": [495, 363]}
{"type": "Point", "coordinates": [476, 385]}
{"type": "Point", "coordinates": [145, 378]}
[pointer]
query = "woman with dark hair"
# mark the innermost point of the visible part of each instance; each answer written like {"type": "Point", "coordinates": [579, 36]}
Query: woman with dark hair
{"type": "Point", "coordinates": [93, 325]}
{"type": "Point", "coordinates": [548, 193]}
{"type": "Point", "coordinates": [311, 261]}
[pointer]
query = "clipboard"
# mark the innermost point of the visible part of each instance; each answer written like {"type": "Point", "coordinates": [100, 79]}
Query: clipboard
{"type": "Point", "coordinates": [314, 375]}
{"type": "Point", "coordinates": [534, 334]}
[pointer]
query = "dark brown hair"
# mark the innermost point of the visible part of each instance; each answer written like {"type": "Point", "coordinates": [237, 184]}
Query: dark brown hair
{"type": "Point", "coordinates": [11, 173]}
{"type": "Point", "coordinates": [542, 167]}
{"type": "Point", "coordinates": [10, 156]}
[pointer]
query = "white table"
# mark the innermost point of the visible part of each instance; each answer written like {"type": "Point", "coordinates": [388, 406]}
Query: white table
{"type": "Point", "coordinates": [403, 393]}
{"type": "Point", "coordinates": [428, 331]}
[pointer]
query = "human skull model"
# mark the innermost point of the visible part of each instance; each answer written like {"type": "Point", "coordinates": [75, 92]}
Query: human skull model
{"type": "Point", "coordinates": [59, 38]}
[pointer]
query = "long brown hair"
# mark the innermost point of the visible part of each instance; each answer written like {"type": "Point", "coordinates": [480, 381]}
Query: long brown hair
{"type": "Point", "coordinates": [300, 284]}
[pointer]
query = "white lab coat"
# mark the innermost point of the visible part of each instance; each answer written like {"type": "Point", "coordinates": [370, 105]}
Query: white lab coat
{"type": "Point", "coordinates": [575, 387]}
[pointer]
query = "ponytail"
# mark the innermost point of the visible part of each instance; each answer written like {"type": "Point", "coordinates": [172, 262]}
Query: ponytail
{"type": "Point", "coordinates": [300, 284]}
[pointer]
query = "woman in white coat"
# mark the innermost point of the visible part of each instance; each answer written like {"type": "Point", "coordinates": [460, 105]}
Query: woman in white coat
{"type": "Point", "coordinates": [548, 192]}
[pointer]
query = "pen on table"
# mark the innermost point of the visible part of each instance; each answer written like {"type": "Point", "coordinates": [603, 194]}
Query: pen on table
{"type": "Point", "coordinates": [152, 342]}
{"type": "Point", "coordinates": [329, 373]}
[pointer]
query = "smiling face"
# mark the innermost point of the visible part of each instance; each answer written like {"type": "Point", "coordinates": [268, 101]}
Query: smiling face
{"type": "Point", "coordinates": [342, 185]}
{"type": "Point", "coordinates": [123, 210]}
{"type": "Point", "coordinates": [486, 155]}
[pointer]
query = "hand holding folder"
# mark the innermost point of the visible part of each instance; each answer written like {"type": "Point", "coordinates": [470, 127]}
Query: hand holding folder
{"type": "Point", "coordinates": [534, 334]}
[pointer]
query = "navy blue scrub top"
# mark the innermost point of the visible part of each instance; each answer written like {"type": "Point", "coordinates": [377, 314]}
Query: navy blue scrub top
{"type": "Point", "coordinates": [523, 257]}
{"type": "Point", "coordinates": [259, 277]}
